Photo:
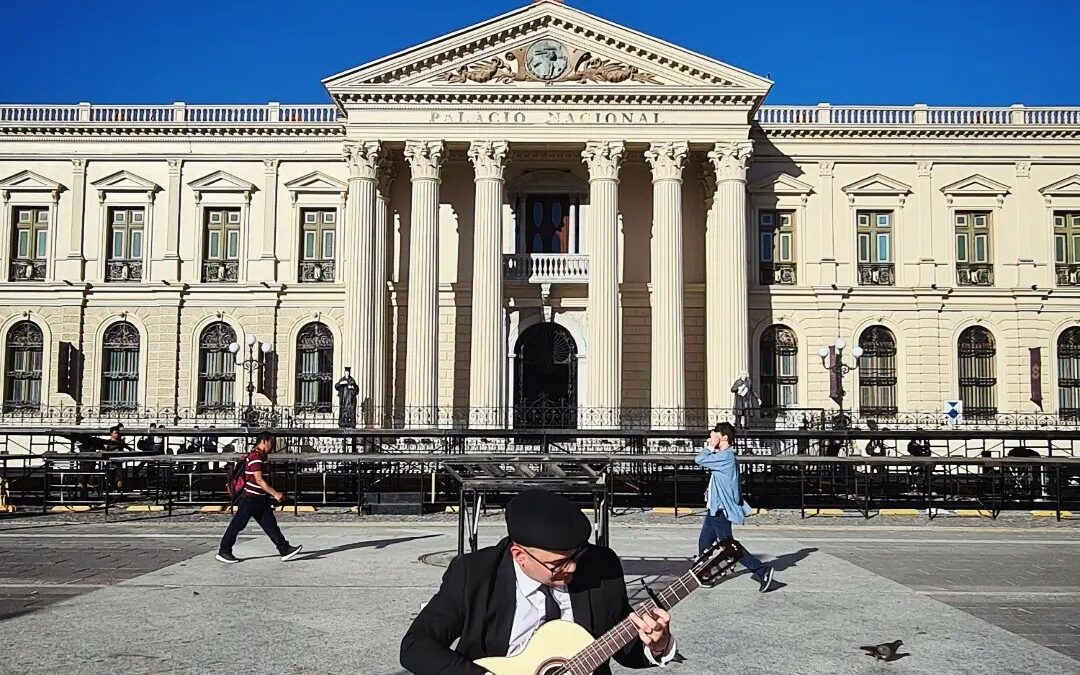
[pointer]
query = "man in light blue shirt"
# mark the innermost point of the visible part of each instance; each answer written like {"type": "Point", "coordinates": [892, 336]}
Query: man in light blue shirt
{"type": "Point", "coordinates": [724, 499]}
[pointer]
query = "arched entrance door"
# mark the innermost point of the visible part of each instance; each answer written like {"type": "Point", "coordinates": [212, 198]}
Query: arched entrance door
{"type": "Point", "coordinates": [545, 378]}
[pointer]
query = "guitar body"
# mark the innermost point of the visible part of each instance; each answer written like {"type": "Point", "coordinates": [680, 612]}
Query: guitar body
{"type": "Point", "coordinates": [551, 646]}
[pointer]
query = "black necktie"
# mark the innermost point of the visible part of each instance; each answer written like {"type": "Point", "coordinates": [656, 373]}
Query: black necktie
{"type": "Point", "coordinates": [552, 610]}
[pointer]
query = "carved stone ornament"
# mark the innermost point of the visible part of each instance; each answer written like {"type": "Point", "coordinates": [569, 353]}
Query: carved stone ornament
{"type": "Point", "coordinates": [603, 159]}
{"type": "Point", "coordinates": [387, 176]}
{"type": "Point", "coordinates": [425, 158]}
{"type": "Point", "coordinates": [826, 167]}
{"type": "Point", "coordinates": [582, 67]}
{"type": "Point", "coordinates": [924, 169]}
{"type": "Point", "coordinates": [489, 159]}
{"type": "Point", "coordinates": [1023, 169]}
{"type": "Point", "coordinates": [730, 160]}
{"type": "Point", "coordinates": [667, 159]}
{"type": "Point", "coordinates": [708, 182]}
{"type": "Point", "coordinates": [362, 158]}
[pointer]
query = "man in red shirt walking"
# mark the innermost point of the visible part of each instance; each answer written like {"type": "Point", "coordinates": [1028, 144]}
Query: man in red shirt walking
{"type": "Point", "coordinates": [257, 502]}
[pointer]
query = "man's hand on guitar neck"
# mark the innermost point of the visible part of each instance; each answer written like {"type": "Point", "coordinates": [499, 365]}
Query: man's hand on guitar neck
{"type": "Point", "coordinates": [653, 630]}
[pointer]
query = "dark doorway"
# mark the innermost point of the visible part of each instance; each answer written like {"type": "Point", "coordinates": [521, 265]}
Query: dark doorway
{"type": "Point", "coordinates": [547, 224]}
{"type": "Point", "coordinates": [545, 378]}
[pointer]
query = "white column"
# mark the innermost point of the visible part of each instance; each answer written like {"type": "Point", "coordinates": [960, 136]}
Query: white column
{"type": "Point", "coordinates": [380, 367]}
{"type": "Point", "coordinates": [727, 351]}
{"type": "Point", "coordinates": [425, 160]}
{"type": "Point", "coordinates": [827, 227]}
{"type": "Point", "coordinates": [171, 261]}
{"type": "Point", "coordinates": [604, 366]}
{"type": "Point", "coordinates": [265, 268]}
{"type": "Point", "coordinates": [487, 365]}
{"type": "Point", "coordinates": [358, 247]}
{"type": "Point", "coordinates": [72, 266]}
{"type": "Point", "coordinates": [668, 340]}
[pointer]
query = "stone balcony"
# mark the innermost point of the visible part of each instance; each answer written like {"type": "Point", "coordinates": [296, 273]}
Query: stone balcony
{"type": "Point", "coordinates": [546, 268]}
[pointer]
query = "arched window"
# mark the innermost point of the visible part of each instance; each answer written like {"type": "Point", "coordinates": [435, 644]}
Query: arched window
{"type": "Point", "coordinates": [217, 368]}
{"type": "Point", "coordinates": [978, 381]}
{"type": "Point", "coordinates": [877, 372]}
{"type": "Point", "coordinates": [779, 358]}
{"type": "Point", "coordinates": [1068, 372]}
{"type": "Point", "coordinates": [120, 367]}
{"type": "Point", "coordinates": [315, 368]}
{"type": "Point", "coordinates": [22, 387]}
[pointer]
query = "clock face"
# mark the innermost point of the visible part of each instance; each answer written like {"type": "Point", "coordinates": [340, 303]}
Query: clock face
{"type": "Point", "coordinates": [546, 60]}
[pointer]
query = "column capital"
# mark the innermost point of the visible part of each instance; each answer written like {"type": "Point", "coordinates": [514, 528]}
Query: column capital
{"type": "Point", "coordinates": [78, 165]}
{"type": "Point", "coordinates": [489, 159]}
{"type": "Point", "coordinates": [667, 159]}
{"type": "Point", "coordinates": [362, 158]}
{"type": "Point", "coordinates": [826, 167]}
{"type": "Point", "coordinates": [924, 169]}
{"type": "Point", "coordinates": [730, 160]}
{"type": "Point", "coordinates": [425, 158]}
{"type": "Point", "coordinates": [174, 166]}
{"type": "Point", "coordinates": [603, 159]}
{"type": "Point", "coordinates": [270, 166]}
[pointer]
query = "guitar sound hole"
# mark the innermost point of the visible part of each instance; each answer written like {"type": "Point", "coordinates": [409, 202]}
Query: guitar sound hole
{"type": "Point", "coordinates": [552, 667]}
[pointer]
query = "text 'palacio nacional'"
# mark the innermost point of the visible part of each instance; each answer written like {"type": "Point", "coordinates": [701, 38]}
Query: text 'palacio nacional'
{"type": "Point", "coordinates": [543, 209]}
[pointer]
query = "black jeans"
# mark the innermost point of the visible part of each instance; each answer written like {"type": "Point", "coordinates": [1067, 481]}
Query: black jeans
{"type": "Point", "coordinates": [262, 510]}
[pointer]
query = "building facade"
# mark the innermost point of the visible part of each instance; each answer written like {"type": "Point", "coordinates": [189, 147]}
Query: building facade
{"type": "Point", "coordinates": [544, 211]}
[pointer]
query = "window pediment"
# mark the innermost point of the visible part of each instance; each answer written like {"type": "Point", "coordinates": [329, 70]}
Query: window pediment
{"type": "Point", "coordinates": [125, 181]}
{"type": "Point", "coordinates": [316, 182]}
{"type": "Point", "coordinates": [220, 182]}
{"type": "Point", "coordinates": [1066, 187]}
{"type": "Point", "coordinates": [877, 184]}
{"type": "Point", "coordinates": [28, 181]}
{"type": "Point", "coordinates": [781, 184]}
{"type": "Point", "coordinates": [978, 185]}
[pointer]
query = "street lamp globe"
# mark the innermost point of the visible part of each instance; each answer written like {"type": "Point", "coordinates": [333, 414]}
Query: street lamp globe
{"type": "Point", "coordinates": [857, 352]}
{"type": "Point", "coordinates": [251, 340]}
{"type": "Point", "coordinates": [265, 348]}
{"type": "Point", "coordinates": [840, 344]}
{"type": "Point", "coordinates": [233, 347]}
{"type": "Point", "coordinates": [823, 352]}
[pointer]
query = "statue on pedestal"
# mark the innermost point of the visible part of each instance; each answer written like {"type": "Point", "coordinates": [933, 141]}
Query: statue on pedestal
{"type": "Point", "coordinates": [347, 390]}
{"type": "Point", "coordinates": [743, 389]}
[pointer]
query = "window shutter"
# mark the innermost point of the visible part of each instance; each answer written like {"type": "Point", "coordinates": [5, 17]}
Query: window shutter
{"type": "Point", "coordinates": [69, 370]}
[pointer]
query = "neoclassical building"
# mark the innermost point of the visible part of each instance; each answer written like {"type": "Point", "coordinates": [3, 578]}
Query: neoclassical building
{"type": "Point", "coordinates": [543, 209]}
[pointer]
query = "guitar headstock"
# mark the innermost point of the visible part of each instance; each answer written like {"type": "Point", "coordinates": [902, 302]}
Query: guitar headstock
{"type": "Point", "coordinates": [717, 561]}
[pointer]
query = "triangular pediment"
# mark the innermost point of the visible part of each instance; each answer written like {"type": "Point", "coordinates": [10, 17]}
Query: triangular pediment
{"type": "Point", "coordinates": [568, 49]}
{"type": "Point", "coordinates": [782, 184]}
{"type": "Point", "coordinates": [28, 181]}
{"type": "Point", "coordinates": [316, 181]}
{"type": "Point", "coordinates": [1066, 187]}
{"type": "Point", "coordinates": [976, 184]}
{"type": "Point", "coordinates": [878, 184]}
{"type": "Point", "coordinates": [125, 181]}
{"type": "Point", "coordinates": [221, 181]}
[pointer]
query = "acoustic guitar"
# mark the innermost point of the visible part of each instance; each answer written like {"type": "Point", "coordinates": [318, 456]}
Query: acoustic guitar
{"type": "Point", "coordinates": [565, 648]}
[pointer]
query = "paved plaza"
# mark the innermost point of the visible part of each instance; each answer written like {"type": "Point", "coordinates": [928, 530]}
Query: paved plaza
{"type": "Point", "coordinates": [85, 596]}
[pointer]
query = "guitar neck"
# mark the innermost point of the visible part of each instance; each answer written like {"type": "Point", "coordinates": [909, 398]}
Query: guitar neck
{"type": "Point", "coordinates": [590, 658]}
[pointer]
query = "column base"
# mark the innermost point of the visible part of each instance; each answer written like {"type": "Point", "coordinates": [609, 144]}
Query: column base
{"type": "Point", "coordinates": [70, 269]}
{"type": "Point", "coordinates": [262, 269]}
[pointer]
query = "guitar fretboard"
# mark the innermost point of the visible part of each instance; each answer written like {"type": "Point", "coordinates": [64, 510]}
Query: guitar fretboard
{"type": "Point", "coordinates": [590, 658]}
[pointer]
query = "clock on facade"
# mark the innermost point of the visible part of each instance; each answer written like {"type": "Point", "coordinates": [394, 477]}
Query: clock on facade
{"type": "Point", "coordinates": [546, 60]}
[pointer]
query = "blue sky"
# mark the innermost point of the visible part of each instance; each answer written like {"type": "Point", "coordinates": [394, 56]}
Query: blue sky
{"type": "Point", "coordinates": [950, 52]}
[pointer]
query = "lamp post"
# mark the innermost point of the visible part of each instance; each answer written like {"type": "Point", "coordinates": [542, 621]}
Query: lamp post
{"type": "Point", "coordinates": [251, 366]}
{"type": "Point", "coordinates": [839, 369]}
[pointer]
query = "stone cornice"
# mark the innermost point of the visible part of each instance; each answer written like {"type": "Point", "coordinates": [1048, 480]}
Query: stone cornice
{"type": "Point", "coordinates": [915, 133]}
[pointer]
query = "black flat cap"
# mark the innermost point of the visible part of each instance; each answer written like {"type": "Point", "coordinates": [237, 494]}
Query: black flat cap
{"type": "Point", "coordinates": [546, 520]}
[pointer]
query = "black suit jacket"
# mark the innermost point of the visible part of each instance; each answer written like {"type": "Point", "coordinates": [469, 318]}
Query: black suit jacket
{"type": "Point", "coordinates": [476, 603]}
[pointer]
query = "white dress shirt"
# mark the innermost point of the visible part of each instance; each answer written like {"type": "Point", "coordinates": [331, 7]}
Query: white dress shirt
{"type": "Point", "coordinates": [529, 612]}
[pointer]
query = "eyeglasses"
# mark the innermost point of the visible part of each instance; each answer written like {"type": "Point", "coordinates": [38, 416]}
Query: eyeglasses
{"type": "Point", "coordinates": [559, 566]}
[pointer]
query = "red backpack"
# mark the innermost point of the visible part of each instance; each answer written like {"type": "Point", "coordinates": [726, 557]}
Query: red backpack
{"type": "Point", "coordinates": [236, 478]}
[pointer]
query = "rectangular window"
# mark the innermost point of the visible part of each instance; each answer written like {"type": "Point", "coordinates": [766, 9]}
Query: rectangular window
{"type": "Point", "coordinates": [126, 226]}
{"type": "Point", "coordinates": [222, 234]}
{"type": "Point", "coordinates": [317, 232]}
{"type": "Point", "coordinates": [974, 249]}
{"type": "Point", "coordinates": [776, 247]}
{"type": "Point", "coordinates": [31, 233]}
{"type": "Point", "coordinates": [876, 227]}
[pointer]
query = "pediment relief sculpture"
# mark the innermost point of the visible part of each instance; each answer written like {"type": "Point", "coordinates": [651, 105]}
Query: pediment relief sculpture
{"type": "Point", "coordinates": [547, 61]}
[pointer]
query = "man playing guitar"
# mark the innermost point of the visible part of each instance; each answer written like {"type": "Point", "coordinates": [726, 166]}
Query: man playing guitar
{"type": "Point", "coordinates": [497, 598]}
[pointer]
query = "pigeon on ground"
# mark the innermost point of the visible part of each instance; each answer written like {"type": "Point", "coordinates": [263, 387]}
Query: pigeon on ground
{"type": "Point", "coordinates": [883, 652]}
